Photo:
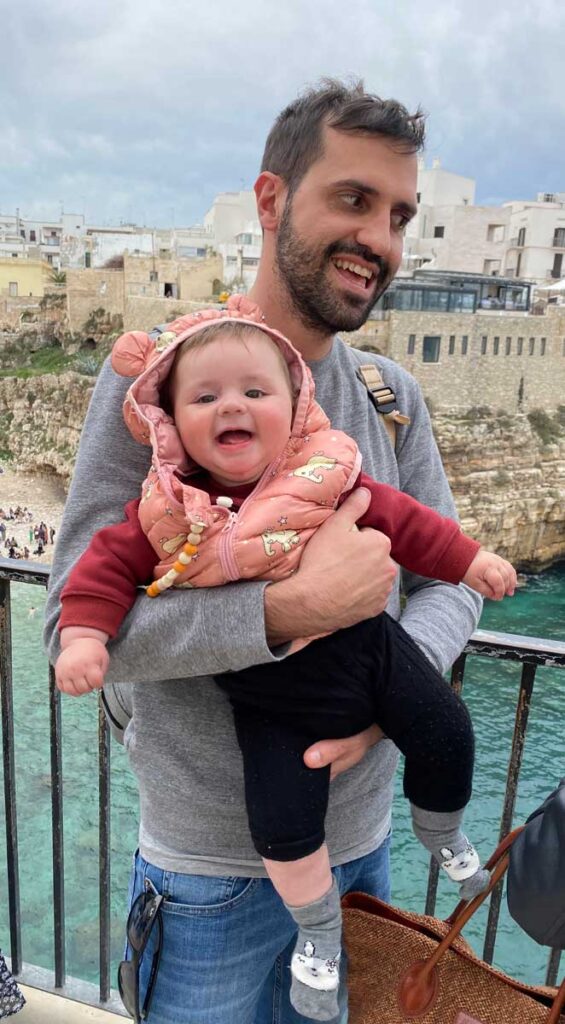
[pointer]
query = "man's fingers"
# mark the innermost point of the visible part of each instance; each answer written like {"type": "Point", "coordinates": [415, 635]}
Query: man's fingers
{"type": "Point", "coordinates": [342, 754]}
{"type": "Point", "coordinates": [354, 506]}
{"type": "Point", "coordinates": [325, 752]}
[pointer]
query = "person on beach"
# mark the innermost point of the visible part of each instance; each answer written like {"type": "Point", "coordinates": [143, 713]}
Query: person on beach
{"type": "Point", "coordinates": [336, 190]}
{"type": "Point", "coordinates": [230, 411]}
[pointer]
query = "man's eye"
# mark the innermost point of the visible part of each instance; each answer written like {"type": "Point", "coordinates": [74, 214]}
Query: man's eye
{"type": "Point", "coordinates": [203, 399]}
{"type": "Point", "coordinates": [351, 199]}
{"type": "Point", "coordinates": [400, 221]}
{"type": "Point", "coordinates": [254, 393]}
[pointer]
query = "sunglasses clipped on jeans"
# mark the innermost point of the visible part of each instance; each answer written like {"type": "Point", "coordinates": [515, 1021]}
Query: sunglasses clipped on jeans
{"type": "Point", "coordinates": [143, 915]}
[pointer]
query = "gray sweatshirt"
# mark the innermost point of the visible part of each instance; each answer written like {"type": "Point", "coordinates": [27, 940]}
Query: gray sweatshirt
{"type": "Point", "coordinates": [180, 738]}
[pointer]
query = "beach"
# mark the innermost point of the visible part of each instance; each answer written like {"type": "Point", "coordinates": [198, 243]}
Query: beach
{"type": "Point", "coordinates": [44, 497]}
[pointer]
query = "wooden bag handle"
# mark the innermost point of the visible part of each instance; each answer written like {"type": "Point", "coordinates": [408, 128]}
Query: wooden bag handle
{"type": "Point", "coordinates": [558, 1005]}
{"type": "Point", "coordinates": [418, 988]}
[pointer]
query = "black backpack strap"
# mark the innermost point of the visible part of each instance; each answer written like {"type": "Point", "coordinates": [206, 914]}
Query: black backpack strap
{"type": "Point", "coordinates": [383, 398]}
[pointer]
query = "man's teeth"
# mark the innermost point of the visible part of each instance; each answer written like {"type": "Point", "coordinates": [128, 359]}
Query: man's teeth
{"type": "Point", "coordinates": [354, 267]}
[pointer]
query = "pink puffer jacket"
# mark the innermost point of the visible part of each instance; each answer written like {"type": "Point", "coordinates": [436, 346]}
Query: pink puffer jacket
{"type": "Point", "coordinates": [294, 496]}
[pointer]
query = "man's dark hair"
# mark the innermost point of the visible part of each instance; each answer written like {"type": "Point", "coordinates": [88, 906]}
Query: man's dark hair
{"type": "Point", "coordinates": [296, 138]}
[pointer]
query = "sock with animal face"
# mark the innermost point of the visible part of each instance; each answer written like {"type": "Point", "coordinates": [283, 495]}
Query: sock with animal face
{"type": "Point", "coordinates": [441, 834]}
{"type": "Point", "coordinates": [315, 961]}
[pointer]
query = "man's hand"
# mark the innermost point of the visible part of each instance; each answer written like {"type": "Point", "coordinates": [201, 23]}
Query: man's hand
{"type": "Point", "coordinates": [345, 575]}
{"type": "Point", "coordinates": [342, 754]}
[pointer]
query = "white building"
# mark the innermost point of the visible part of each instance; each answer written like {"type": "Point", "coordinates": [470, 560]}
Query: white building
{"type": "Point", "coordinates": [520, 239]}
{"type": "Point", "coordinates": [449, 232]}
{"type": "Point", "coordinates": [230, 215]}
{"type": "Point", "coordinates": [536, 245]}
{"type": "Point", "coordinates": [23, 238]}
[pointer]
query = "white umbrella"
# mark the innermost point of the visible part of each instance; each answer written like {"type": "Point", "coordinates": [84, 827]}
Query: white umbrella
{"type": "Point", "coordinates": [559, 286]}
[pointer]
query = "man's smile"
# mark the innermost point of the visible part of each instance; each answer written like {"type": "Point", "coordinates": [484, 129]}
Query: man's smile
{"type": "Point", "coordinates": [356, 274]}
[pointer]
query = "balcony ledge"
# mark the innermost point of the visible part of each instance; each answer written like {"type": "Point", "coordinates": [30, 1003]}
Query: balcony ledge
{"type": "Point", "coordinates": [46, 1008]}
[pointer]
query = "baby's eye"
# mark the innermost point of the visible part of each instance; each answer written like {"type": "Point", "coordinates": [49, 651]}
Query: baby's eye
{"type": "Point", "coordinates": [202, 399]}
{"type": "Point", "coordinates": [254, 393]}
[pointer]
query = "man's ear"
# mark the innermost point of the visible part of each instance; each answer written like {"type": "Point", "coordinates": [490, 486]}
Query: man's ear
{"type": "Point", "coordinates": [271, 193]}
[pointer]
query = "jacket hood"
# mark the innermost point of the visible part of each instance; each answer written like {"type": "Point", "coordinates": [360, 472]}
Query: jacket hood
{"type": "Point", "coordinates": [149, 359]}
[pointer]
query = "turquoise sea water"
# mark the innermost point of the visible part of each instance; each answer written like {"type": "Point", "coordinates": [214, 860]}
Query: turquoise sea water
{"type": "Point", "coordinates": [490, 689]}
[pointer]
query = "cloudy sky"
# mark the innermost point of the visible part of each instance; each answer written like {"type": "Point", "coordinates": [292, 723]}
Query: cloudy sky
{"type": "Point", "coordinates": [145, 109]}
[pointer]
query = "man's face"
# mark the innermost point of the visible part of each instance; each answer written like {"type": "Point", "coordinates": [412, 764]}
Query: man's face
{"type": "Point", "coordinates": [339, 241]}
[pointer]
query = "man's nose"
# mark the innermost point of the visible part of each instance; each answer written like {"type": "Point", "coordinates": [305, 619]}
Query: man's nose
{"type": "Point", "coordinates": [375, 234]}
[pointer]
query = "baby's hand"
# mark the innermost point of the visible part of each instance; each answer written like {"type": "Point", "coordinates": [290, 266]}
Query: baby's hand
{"type": "Point", "coordinates": [81, 667]}
{"type": "Point", "coordinates": [491, 575]}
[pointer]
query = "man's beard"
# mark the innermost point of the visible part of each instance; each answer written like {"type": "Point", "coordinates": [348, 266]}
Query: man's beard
{"type": "Point", "coordinates": [303, 271]}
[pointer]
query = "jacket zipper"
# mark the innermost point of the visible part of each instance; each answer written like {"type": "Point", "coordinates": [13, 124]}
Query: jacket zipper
{"type": "Point", "coordinates": [226, 548]}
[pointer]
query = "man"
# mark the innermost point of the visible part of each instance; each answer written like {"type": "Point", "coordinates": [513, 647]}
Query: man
{"type": "Point", "coordinates": [336, 190]}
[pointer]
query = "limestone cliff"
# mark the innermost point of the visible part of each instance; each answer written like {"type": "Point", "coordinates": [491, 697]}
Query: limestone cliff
{"type": "Point", "coordinates": [509, 485]}
{"type": "Point", "coordinates": [41, 419]}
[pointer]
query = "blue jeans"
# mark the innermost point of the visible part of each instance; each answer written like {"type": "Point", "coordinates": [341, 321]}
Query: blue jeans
{"type": "Point", "coordinates": [227, 944]}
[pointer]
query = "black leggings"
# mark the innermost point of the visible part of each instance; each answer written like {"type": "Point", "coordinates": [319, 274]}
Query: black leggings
{"type": "Point", "coordinates": [335, 687]}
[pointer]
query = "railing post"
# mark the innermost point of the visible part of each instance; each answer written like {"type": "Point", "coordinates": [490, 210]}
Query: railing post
{"type": "Point", "coordinates": [56, 751]}
{"type": "Point", "coordinates": [520, 726]}
{"type": "Point", "coordinates": [7, 705]}
{"type": "Point", "coordinates": [553, 967]}
{"type": "Point", "coordinates": [104, 850]}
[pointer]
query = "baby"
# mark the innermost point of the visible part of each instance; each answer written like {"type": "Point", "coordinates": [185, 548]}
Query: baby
{"type": "Point", "coordinates": [245, 469]}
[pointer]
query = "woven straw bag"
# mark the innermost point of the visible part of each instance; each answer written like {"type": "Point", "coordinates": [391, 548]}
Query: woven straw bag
{"type": "Point", "coordinates": [406, 967]}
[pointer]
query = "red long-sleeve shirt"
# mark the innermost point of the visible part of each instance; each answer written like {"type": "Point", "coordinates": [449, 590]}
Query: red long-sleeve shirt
{"type": "Point", "coordinates": [101, 588]}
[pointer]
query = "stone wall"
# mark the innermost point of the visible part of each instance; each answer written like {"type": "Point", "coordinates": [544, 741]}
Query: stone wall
{"type": "Point", "coordinates": [88, 290]}
{"type": "Point", "coordinates": [514, 382]}
{"type": "Point", "coordinates": [11, 310]}
{"type": "Point", "coordinates": [142, 313]}
{"type": "Point", "coordinates": [136, 292]}
{"type": "Point", "coordinates": [196, 278]}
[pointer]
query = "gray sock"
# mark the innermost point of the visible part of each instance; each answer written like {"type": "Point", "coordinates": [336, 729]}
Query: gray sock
{"type": "Point", "coordinates": [315, 961]}
{"type": "Point", "coordinates": [441, 834]}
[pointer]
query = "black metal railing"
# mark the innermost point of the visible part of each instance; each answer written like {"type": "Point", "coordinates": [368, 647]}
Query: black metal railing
{"type": "Point", "coordinates": [31, 573]}
{"type": "Point", "coordinates": [528, 651]}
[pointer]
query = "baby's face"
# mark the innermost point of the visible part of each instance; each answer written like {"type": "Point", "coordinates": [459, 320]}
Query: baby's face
{"type": "Point", "coordinates": [232, 407]}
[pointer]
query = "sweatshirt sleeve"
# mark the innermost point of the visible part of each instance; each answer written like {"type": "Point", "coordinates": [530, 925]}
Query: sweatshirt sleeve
{"type": "Point", "coordinates": [196, 632]}
{"type": "Point", "coordinates": [440, 617]}
{"type": "Point", "coordinates": [422, 540]}
{"type": "Point", "coordinates": [536, 875]}
{"type": "Point", "coordinates": [102, 586]}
